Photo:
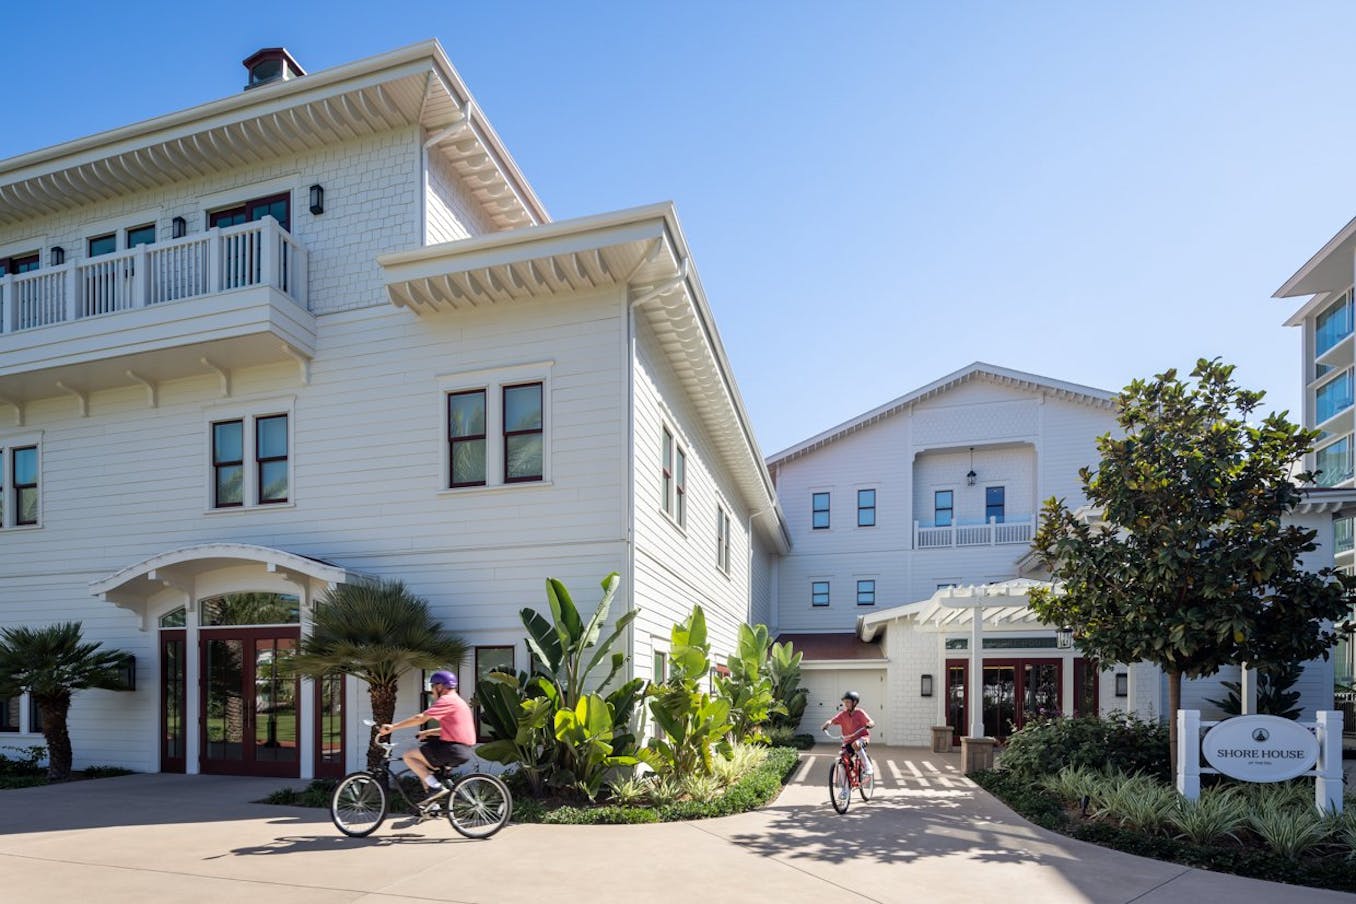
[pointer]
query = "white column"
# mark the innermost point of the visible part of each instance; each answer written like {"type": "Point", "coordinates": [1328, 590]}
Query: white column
{"type": "Point", "coordinates": [306, 739]}
{"type": "Point", "coordinates": [193, 680]}
{"type": "Point", "coordinates": [1247, 691]}
{"type": "Point", "coordinates": [976, 691]}
{"type": "Point", "coordinates": [1328, 785]}
{"type": "Point", "coordinates": [1189, 753]}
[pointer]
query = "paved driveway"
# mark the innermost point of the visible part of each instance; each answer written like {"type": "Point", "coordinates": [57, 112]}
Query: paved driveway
{"type": "Point", "coordinates": [929, 835]}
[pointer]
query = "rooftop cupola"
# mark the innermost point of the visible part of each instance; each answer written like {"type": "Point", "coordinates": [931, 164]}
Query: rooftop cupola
{"type": "Point", "coordinates": [271, 64]}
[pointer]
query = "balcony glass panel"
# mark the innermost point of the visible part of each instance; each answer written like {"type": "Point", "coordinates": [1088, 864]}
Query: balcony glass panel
{"type": "Point", "coordinates": [1342, 535]}
{"type": "Point", "coordinates": [1333, 397]}
{"type": "Point", "coordinates": [1333, 325]}
{"type": "Point", "coordinates": [1334, 463]}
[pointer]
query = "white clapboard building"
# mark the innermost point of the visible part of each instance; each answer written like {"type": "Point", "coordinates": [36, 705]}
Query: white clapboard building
{"type": "Point", "coordinates": [323, 330]}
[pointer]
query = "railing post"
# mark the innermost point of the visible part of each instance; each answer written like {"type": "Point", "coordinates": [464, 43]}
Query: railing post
{"type": "Point", "coordinates": [993, 531]}
{"type": "Point", "coordinates": [72, 290]}
{"type": "Point", "coordinates": [140, 282]}
{"type": "Point", "coordinates": [268, 253]}
{"type": "Point", "coordinates": [6, 304]}
{"type": "Point", "coordinates": [915, 535]}
{"type": "Point", "coordinates": [1188, 753]}
{"type": "Point", "coordinates": [214, 259]}
{"type": "Point", "coordinates": [1328, 784]}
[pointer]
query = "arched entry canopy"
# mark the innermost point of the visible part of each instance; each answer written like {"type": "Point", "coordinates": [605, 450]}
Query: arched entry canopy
{"type": "Point", "coordinates": [192, 572]}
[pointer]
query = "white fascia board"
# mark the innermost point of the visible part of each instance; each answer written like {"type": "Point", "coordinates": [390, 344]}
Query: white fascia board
{"type": "Point", "coordinates": [231, 551]}
{"type": "Point", "coordinates": [1312, 306]}
{"type": "Point", "coordinates": [815, 665]}
{"type": "Point", "coordinates": [1342, 242]}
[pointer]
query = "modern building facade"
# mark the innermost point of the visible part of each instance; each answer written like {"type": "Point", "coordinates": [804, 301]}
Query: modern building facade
{"type": "Point", "coordinates": [323, 331]}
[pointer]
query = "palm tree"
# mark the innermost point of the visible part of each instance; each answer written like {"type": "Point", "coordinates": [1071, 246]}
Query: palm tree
{"type": "Point", "coordinates": [51, 664]}
{"type": "Point", "coordinates": [376, 632]}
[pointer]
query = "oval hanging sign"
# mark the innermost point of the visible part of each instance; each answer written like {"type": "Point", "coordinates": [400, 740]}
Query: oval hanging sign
{"type": "Point", "coordinates": [1260, 748]}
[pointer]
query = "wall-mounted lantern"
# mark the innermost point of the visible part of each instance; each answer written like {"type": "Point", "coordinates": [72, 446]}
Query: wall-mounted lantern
{"type": "Point", "coordinates": [972, 476]}
{"type": "Point", "coordinates": [926, 689]}
{"type": "Point", "coordinates": [57, 256]}
{"type": "Point", "coordinates": [1122, 684]}
{"type": "Point", "coordinates": [1064, 638]}
{"type": "Point", "coordinates": [317, 199]}
{"type": "Point", "coordinates": [178, 227]}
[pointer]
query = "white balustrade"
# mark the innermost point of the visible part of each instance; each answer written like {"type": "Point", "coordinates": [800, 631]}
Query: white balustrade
{"type": "Point", "coordinates": [990, 534]}
{"type": "Point", "coordinates": [218, 260]}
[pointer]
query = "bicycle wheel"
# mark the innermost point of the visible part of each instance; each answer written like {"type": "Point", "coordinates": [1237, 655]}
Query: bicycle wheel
{"type": "Point", "coordinates": [359, 805]}
{"type": "Point", "coordinates": [866, 785]}
{"type": "Point", "coordinates": [840, 788]}
{"type": "Point", "coordinates": [479, 806]}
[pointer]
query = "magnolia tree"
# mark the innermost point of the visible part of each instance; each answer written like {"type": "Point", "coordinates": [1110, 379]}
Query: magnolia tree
{"type": "Point", "coordinates": [1191, 565]}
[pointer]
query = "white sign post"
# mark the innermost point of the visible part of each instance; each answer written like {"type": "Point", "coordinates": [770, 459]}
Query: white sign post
{"type": "Point", "coordinates": [1262, 749]}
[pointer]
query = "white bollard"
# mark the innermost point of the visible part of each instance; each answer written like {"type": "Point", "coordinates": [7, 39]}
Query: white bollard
{"type": "Point", "coordinates": [1189, 753]}
{"type": "Point", "coordinates": [1328, 785]}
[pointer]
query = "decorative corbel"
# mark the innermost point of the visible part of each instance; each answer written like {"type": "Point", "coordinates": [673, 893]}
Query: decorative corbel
{"type": "Point", "coordinates": [222, 374]}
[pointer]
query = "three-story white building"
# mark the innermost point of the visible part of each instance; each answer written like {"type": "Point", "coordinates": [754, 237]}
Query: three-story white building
{"type": "Point", "coordinates": [323, 331]}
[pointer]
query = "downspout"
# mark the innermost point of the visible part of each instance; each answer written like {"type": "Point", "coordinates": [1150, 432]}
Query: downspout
{"type": "Point", "coordinates": [629, 510]}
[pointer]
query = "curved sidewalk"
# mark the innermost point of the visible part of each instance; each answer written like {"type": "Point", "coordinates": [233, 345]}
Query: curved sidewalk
{"type": "Point", "coordinates": [929, 835]}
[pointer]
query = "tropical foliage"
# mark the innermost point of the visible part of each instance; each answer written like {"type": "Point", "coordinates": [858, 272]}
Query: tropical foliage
{"type": "Point", "coordinates": [51, 664]}
{"type": "Point", "coordinates": [749, 688]}
{"type": "Point", "coordinates": [555, 723]}
{"type": "Point", "coordinates": [376, 632]}
{"type": "Point", "coordinates": [1192, 566]}
{"type": "Point", "coordinates": [691, 725]}
{"type": "Point", "coordinates": [783, 667]}
{"type": "Point", "coordinates": [1274, 694]}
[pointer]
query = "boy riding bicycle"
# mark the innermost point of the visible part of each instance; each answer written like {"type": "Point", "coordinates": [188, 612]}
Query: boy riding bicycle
{"type": "Point", "coordinates": [855, 725]}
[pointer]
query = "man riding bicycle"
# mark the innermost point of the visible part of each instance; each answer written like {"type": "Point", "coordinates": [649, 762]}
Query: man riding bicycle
{"type": "Point", "coordinates": [450, 744]}
{"type": "Point", "coordinates": [855, 725]}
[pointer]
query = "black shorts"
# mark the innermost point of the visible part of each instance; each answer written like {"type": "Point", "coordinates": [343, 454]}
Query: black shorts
{"type": "Point", "coordinates": [445, 753]}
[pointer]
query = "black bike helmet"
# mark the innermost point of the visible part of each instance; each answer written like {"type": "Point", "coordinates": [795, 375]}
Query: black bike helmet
{"type": "Point", "coordinates": [853, 696]}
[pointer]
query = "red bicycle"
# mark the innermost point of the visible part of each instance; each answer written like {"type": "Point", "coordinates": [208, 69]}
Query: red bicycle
{"type": "Point", "coordinates": [845, 775]}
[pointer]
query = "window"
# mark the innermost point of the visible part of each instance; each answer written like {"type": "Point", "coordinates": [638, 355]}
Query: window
{"type": "Point", "coordinates": [523, 433]}
{"type": "Point", "coordinates": [279, 207]}
{"type": "Point", "coordinates": [466, 437]}
{"type": "Point", "coordinates": [1333, 325]}
{"type": "Point", "coordinates": [819, 511]}
{"type": "Point", "coordinates": [1334, 463]}
{"type": "Point", "coordinates": [722, 540]}
{"type": "Point", "coordinates": [9, 713]}
{"type": "Point", "coordinates": [943, 506]}
{"type": "Point", "coordinates": [34, 716]}
{"type": "Point", "coordinates": [228, 464]}
{"type": "Point", "coordinates": [674, 477]}
{"type": "Point", "coordinates": [24, 480]}
{"type": "Point", "coordinates": [993, 504]}
{"type": "Point", "coordinates": [141, 235]}
{"type": "Point", "coordinates": [661, 667]}
{"type": "Point", "coordinates": [493, 659]}
{"type": "Point", "coordinates": [866, 508]}
{"type": "Point", "coordinates": [265, 441]}
{"type": "Point", "coordinates": [1333, 397]}
{"type": "Point", "coordinates": [1342, 535]}
{"type": "Point", "coordinates": [866, 593]}
{"type": "Point", "coordinates": [819, 593]}
{"type": "Point", "coordinates": [270, 453]}
{"type": "Point", "coordinates": [496, 425]}
{"type": "Point", "coordinates": [19, 263]}
{"type": "Point", "coordinates": [102, 244]}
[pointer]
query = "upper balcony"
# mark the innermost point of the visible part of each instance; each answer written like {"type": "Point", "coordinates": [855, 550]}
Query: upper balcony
{"type": "Point", "coordinates": [993, 533]}
{"type": "Point", "coordinates": [208, 303]}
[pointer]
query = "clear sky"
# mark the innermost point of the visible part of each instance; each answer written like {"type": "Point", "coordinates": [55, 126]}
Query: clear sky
{"type": "Point", "coordinates": [876, 194]}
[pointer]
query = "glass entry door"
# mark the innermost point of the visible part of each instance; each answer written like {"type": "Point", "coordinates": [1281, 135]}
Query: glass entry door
{"type": "Point", "coordinates": [251, 717]}
{"type": "Point", "coordinates": [1012, 692]}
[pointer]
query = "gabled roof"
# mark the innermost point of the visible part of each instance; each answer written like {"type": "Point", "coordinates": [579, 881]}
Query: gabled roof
{"type": "Point", "coordinates": [1086, 395]}
{"type": "Point", "coordinates": [412, 85]}
{"type": "Point", "coordinates": [1329, 270]}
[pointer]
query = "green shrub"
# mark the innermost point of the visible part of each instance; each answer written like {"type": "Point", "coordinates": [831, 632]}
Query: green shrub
{"type": "Point", "coordinates": [1045, 746]}
{"type": "Point", "coordinates": [785, 736]}
{"type": "Point", "coordinates": [664, 790]}
{"type": "Point", "coordinates": [1072, 783]}
{"type": "Point", "coordinates": [24, 761]}
{"type": "Point", "coordinates": [8, 782]}
{"type": "Point", "coordinates": [1218, 813]}
{"type": "Point", "coordinates": [1289, 832]}
{"type": "Point", "coordinates": [609, 815]}
{"type": "Point", "coordinates": [1135, 801]}
{"type": "Point", "coordinates": [629, 791]}
{"type": "Point", "coordinates": [316, 794]}
{"type": "Point", "coordinates": [104, 771]}
{"type": "Point", "coordinates": [1030, 800]}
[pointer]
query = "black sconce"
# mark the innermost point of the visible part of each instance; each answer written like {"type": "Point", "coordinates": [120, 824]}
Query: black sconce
{"type": "Point", "coordinates": [127, 673]}
{"type": "Point", "coordinates": [1064, 638]}
{"type": "Point", "coordinates": [178, 227]}
{"type": "Point", "coordinates": [317, 199]}
{"type": "Point", "coordinates": [57, 256]}
{"type": "Point", "coordinates": [1122, 684]}
{"type": "Point", "coordinates": [970, 477]}
{"type": "Point", "coordinates": [926, 689]}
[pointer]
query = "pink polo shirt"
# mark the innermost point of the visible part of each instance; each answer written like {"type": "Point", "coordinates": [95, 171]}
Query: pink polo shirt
{"type": "Point", "coordinates": [853, 724]}
{"type": "Point", "coordinates": [454, 718]}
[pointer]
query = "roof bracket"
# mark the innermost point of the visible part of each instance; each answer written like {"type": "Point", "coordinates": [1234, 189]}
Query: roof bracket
{"type": "Point", "coordinates": [151, 388]}
{"type": "Point", "coordinates": [303, 364]}
{"type": "Point", "coordinates": [18, 410]}
{"type": "Point", "coordinates": [81, 397]}
{"type": "Point", "coordinates": [222, 374]}
{"type": "Point", "coordinates": [645, 293]}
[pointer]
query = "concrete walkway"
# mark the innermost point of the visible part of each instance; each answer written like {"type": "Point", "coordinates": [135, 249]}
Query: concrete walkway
{"type": "Point", "coordinates": [928, 835]}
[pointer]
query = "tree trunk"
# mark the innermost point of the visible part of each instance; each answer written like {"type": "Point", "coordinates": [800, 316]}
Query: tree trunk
{"type": "Point", "coordinates": [54, 710]}
{"type": "Point", "coordinates": [383, 698]}
{"type": "Point", "coordinates": [1174, 704]}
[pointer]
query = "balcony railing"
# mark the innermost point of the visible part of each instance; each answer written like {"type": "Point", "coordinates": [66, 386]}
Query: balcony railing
{"type": "Point", "coordinates": [991, 534]}
{"type": "Point", "coordinates": [261, 253]}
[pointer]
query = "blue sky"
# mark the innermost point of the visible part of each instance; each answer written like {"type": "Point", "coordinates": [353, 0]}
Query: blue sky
{"type": "Point", "coordinates": [875, 194]}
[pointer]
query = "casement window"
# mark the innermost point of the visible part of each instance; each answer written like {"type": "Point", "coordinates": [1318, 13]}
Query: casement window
{"type": "Point", "coordinates": [866, 593]}
{"type": "Point", "coordinates": [943, 508]}
{"type": "Point", "coordinates": [819, 593]}
{"type": "Point", "coordinates": [523, 433]}
{"type": "Point", "coordinates": [251, 460]}
{"type": "Point", "coordinates": [20, 496]}
{"type": "Point", "coordinates": [866, 508]}
{"type": "Point", "coordinates": [496, 423]}
{"type": "Point", "coordinates": [994, 504]}
{"type": "Point", "coordinates": [819, 511]}
{"type": "Point", "coordinates": [19, 263]}
{"type": "Point", "coordinates": [466, 437]}
{"type": "Point", "coordinates": [279, 207]}
{"type": "Point", "coordinates": [673, 478]}
{"type": "Point", "coordinates": [722, 539]}
{"type": "Point", "coordinates": [9, 713]}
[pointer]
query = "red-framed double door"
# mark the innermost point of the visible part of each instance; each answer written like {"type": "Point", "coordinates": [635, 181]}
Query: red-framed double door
{"type": "Point", "coordinates": [1012, 692]}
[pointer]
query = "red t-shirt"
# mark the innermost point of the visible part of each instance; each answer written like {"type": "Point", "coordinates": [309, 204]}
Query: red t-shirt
{"type": "Point", "coordinates": [853, 722]}
{"type": "Point", "coordinates": [454, 719]}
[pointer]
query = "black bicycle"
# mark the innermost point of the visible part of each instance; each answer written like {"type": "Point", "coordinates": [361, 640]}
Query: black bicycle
{"type": "Point", "coordinates": [477, 805]}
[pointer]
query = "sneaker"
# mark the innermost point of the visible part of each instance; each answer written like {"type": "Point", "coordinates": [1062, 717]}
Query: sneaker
{"type": "Point", "coordinates": [435, 794]}
{"type": "Point", "coordinates": [845, 794]}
